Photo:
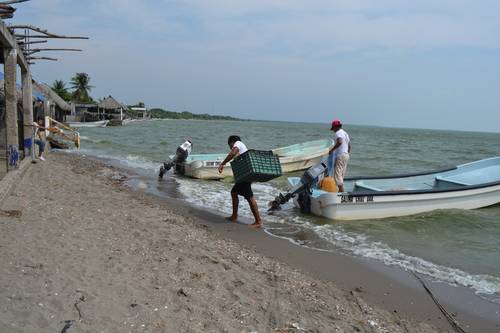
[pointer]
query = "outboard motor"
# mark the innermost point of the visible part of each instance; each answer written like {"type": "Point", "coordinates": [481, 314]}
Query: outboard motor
{"type": "Point", "coordinates": [181, 154]}
{"type": "Point", "coordinates": [303, 189]}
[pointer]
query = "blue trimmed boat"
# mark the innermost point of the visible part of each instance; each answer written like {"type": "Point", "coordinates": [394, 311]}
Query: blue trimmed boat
{"type": "Point", "coordinates": [300, 156]}
{"type": "Point", "coordinates": [467, 186]}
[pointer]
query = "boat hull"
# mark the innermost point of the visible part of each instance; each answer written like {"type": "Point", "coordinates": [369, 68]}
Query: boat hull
{"type": "Point", "coordinates": [101, 123]}
{"type": "Point", "coordinates": [201, 170]}
{"type": "Point", "coordinates": [468, 186]}
{"type": "Point", "coordinates": [342, 206]}
{"type": "Point", "coordinates": [305, 156]}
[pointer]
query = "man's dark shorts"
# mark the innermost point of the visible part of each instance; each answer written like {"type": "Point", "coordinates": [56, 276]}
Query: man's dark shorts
{"type": "Point", "coordinates": [243, 189]}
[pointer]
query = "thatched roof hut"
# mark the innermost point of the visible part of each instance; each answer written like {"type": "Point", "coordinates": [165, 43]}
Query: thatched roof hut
{"type": "Point", "coordinates": [54, 106]}
{"type": "Point", "coordinates": [112, 109]}
{"type": "Point", "coordinates": [52, 95]}
{"type": "Point", "coordinates": [110, 103]}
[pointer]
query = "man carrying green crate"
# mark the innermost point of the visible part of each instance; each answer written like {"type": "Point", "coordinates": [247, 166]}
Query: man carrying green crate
{"type": "Point", "coordinates": [244, 189]}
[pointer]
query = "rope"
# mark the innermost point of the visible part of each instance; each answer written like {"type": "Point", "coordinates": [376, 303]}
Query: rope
{"type": "Point", "coordinates": [446, 314]}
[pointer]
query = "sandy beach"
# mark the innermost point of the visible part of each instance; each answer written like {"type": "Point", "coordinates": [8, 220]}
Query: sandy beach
{"type": "Point", "coordinates": [82, 252]}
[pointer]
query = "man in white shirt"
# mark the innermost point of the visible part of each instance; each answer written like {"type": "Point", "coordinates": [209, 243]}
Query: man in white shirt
{"type": "Point", "coordinates": [341, 149]}
{"type": "Point", "coordinates": [244, 189]}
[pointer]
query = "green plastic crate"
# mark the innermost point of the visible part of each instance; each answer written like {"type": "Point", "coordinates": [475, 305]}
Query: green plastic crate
{"type": "Point", "coordinates": [256, 166]}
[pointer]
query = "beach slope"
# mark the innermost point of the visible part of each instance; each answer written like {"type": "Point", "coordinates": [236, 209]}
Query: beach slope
{"type": "Point", "coordinates": [80, 250]}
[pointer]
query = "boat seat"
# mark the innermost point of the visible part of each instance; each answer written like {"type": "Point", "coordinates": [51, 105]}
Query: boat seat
{"type": "Point", "coordinates": [451, 181]}
{"type": "Point", "coordinates": [392, 186]}
{"type": "Point", "coordinates": [363, 185]}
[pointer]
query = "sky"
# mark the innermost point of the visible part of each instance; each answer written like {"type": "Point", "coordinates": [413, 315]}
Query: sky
{"type": "Point", "coordinates": [395, 63]}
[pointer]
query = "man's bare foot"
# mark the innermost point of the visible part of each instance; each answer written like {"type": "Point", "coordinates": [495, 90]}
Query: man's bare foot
{"type": "Point", "coordinates": [256, 225]}
{"type": "Point", "coordinates": [232, 218]}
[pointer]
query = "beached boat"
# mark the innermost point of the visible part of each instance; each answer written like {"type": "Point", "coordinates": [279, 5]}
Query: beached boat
{"type": "Point", "coordinates": [100, 123]}
{"type": "Point", "coordinates": [296, 157]}
{"type": "Point", "coordinates": [468, 186]}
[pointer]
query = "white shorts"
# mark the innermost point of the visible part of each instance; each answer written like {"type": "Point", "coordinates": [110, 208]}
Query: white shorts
{"type": "Point", "coordinates": [341, 168]}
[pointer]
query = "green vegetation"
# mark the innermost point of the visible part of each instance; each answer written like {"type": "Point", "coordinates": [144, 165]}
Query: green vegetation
{"type": "Point", "coordinates": [165, 114]}
{"type": "Point", "coordinates": [80, 83]}
{"type": "Point", "coordinates": [59, 88]}
{"type": "Point", "coordinates": [81, 88]}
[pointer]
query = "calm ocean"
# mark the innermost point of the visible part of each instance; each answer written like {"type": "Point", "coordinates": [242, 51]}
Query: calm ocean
{"type": "Point", "coordinates": [453, 246]}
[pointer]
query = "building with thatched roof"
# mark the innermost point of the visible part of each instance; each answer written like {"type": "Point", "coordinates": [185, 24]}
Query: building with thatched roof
{"type": "Point", "coordinates": [53, 105]}
{"type": "Point", "coordinates": [112, 109]}
{"type": "Point", "coordinates": [83, 112]}
{"type": "Point", "coordinates": [107, 109]}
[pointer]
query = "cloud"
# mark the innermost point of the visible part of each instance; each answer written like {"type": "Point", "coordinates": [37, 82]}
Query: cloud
{"type": "Point", "coordinates": [349, 25]}
{"type": "Point", "coordinates": [287, 55]}
{"type": "Point", "coordinates": [283, 29]}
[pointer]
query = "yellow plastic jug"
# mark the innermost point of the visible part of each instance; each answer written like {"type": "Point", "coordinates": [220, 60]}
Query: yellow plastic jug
{"type": "Point", "coordinates": [328, 184]}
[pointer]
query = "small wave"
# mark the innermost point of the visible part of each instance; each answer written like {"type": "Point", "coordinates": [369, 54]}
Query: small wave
{"type": "Point", "coordinates": [96, 141]}
{"type": "Point", "coordinates": [129, 160]}
{"type": "Point", "coordinates": [139, 163]}
{"type": "Point", "coordinates": [359, 245]}
{"type": "Point", "coordinates": [216, 196]}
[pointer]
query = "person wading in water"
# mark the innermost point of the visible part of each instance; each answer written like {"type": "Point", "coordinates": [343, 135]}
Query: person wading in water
{"type": "Point", "coordinates": [342, 150]}
{"type": "Point", "coordinates": [244, 189]}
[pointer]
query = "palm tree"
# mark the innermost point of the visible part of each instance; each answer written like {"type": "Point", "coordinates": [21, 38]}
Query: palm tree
{"type": "Point", "coordinates": [81, 85]}
{"type": "Point", "coordinates": [60, 88]}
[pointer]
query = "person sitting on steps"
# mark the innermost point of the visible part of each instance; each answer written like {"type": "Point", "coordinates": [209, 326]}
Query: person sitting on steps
{"type": "Point", "coordinates": [40, 137]}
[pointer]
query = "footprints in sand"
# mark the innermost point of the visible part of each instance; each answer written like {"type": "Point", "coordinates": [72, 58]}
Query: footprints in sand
{"type": "Point", "coordinates": [129, 264]}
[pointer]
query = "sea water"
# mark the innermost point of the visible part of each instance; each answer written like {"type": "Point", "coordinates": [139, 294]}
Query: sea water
{"type": "Point", "coordinates": [454, 246]}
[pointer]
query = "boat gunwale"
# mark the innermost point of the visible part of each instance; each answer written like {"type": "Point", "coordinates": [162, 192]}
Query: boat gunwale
{"type": "Point", "coordinates": [404, 192]}
{"type": "Point", "coordinates": [429, 191]}
{"type": "Point", "coordinates": [405, 175]}
{"type": "Point", "coordinates": [417, 191]}
{"type": "Point", "coordinates": [316, 150]}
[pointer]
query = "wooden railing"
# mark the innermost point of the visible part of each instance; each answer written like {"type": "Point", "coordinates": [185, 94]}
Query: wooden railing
{"type": "Point", "coordinates": [58, 129]}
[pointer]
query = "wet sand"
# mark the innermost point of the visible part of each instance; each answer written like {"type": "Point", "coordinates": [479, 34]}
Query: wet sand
{"type": "Point", "coordinates": [80, 249]}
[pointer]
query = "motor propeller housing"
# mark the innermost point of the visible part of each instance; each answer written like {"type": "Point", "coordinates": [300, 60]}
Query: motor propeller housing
{"type": "Point", "coordinates": [309, 179]}
{"type": "Point", "coordinates": [181, 154]}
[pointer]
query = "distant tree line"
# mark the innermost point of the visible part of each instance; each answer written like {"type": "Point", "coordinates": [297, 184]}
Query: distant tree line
{"type": "Point", "coordinates": [165, 114]}
{"type": "Point", "coordinates": [80, 92]}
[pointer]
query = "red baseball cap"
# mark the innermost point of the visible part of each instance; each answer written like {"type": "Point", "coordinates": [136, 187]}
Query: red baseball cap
{"type": "Point", "coordinates": [336, 123]}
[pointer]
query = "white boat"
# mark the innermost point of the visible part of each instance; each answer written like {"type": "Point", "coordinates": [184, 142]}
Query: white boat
{"type": "Point", "coordinates": [127, 121]}
{"type": "Point", "coordinates": [467, 186]}
{"type": "Point", "coordinates": [100, 123]}
{"type": "Point", "coordinates": [296, 157]}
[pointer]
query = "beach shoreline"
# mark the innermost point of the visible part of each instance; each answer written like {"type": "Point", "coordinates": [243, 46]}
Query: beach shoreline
{"type": "Point", "coordinates": [382, 285]}
{"type": "Point", "coordinates": [142, 254]}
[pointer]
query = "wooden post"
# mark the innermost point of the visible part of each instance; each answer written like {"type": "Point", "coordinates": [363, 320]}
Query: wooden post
{"type": "Point", "coordinates": [28, 114]}
{"type": "Point", "coordinates": [46, 108]}
{"type": "Point", "coordinates": [10, 64]}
